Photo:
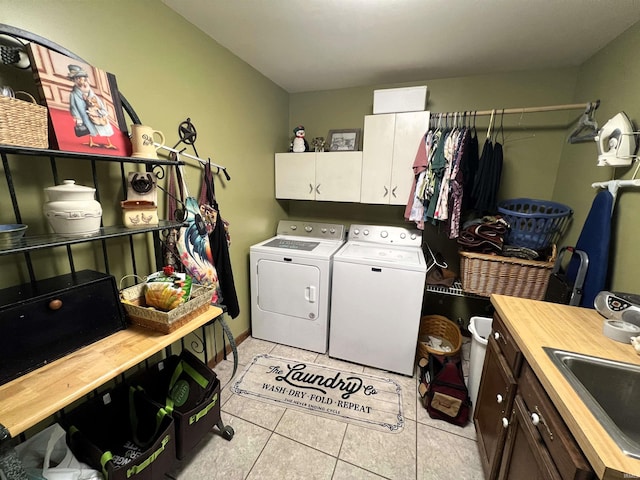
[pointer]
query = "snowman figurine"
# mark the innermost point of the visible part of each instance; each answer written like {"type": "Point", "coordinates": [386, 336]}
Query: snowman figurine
{"type": "Point", "coordinates": [299, 142]}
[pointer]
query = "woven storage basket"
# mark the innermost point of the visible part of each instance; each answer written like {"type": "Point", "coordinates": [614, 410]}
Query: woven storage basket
{"type": "Point", "coordinates": [23, 123]}
{"type": "Point", "coordinates": [441, 327]}
{"type": "Point", "coordinates": [166, 322]}
{"type": "Point", "coordinates": [484, 274]}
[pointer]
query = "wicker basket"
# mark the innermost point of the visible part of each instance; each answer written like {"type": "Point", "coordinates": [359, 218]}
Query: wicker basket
{"type": "Point", "coordinates": [441, 327]}
{"type": "Point", "coordinates": [22, 123]}
{"type": "Point", "coordinates": [484, 274]}
{"type": "Point", "coordinates": [166, 322]}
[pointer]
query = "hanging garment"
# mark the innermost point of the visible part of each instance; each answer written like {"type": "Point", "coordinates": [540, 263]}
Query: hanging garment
{"type": "Point", "coordinates": [457, 184]}
{"type": "Point", "coordinates": [420, 165]}
{"type": "Point", "coordinates": [442, 206]}
{"type": "Point", "coordinates": [170, 254]}
{"type": "Point", "coordinates": [482, 184]}
{"type": "Point", "coordinates": [219, 241]}
{"type": "Point", "coordinates": [437, 167]}
{"type": "Point", "coordinates": [495, 176]}
{"type": "Point", "coordinates": [470, 169]}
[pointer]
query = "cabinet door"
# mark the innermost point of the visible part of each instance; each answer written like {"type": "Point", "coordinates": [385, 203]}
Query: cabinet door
{"type": "Point", "coordinates": [493, 408]}
{"type": "Point", "coordinates": [525, 455]}
{"type": "Point", "coordinates": [552, 431]}
{"type": "Point", "coordinates": [377, 157]}
{"type": "Point", "coordinates": [338, 176]}
{"type": "Point", "coordinates": [295, 175]}
{"type": "Point", "coordinates": [410, 129]}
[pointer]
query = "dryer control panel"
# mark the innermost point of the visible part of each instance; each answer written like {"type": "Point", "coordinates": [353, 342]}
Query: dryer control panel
{"type": "Point", "coordinates": [386, 235]}
{"type": "Point", "coordinates": [328, 231]}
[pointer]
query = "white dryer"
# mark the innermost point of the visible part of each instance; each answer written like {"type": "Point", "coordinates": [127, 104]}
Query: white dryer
{"type": "Point", "coordinates": [291, 284]}
{"type": "Point", "coordinates": [377, 289]}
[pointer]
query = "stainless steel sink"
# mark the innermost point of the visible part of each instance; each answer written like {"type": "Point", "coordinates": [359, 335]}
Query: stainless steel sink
{"type": "Point", "coordinates": [610, 389]}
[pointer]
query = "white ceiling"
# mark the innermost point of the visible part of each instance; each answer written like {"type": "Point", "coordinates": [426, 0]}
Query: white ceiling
{"type": "Point", "coordinates": [308, 45]}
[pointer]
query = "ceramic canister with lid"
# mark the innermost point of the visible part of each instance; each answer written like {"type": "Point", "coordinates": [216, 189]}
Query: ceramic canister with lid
{"type": "Point", "coordinates": [72, 209]}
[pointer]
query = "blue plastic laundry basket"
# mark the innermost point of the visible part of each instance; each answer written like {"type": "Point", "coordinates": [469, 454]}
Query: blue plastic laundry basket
{"type": "Point", "coordinates": [534, 223]}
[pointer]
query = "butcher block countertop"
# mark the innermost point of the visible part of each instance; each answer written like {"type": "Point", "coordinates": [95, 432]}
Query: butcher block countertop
{"type": "Point", "coordinates": [35, 396]}
{"type": "Point", "coordinates": [536, 324]}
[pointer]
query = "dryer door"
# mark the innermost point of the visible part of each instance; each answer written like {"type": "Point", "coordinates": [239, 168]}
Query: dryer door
{"type": "Point", "coordinates": [288, 288]}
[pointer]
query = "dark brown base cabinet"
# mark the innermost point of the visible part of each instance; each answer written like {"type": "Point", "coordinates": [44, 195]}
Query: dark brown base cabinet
{"type": "Point", "coordinates": [520, 433]}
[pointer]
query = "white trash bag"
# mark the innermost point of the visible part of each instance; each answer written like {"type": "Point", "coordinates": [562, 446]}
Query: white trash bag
{"type": "Point", "coordinates": [46, 456]}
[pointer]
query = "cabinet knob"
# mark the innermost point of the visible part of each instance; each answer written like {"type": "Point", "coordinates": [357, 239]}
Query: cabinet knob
{"type": "Point", "coordinates": [499, 336]}
{"type": "Point", "coordinates": [537, 418]}
{"type": "Point", "coordinates": [55, 304]}
{"type": "Point", "coordinates": [505, 422]}
{"type": "Point", "coordinates": [386, 191]}
{"type": "Point", "coordinates": [499, 398]}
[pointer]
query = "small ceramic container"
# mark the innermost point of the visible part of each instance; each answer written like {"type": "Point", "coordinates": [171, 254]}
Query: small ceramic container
{"type": "Point", "coordinates": [139, 213]}
{"type": "Point", "coordinates": [72, 209]}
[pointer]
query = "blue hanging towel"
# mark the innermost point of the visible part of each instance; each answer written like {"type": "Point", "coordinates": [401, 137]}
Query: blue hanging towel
{"type": "Point", "coordinates": [594, 240]}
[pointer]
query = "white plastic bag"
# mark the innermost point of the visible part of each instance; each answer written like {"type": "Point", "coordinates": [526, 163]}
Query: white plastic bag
{"type": "Point", "coordinates": [47, 456]}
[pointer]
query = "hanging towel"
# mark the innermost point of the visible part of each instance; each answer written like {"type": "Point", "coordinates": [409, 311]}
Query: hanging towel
{"type": "Point", "coordinates": [219, 243]}
{"type": "Point", "coordinates": [594, 240]}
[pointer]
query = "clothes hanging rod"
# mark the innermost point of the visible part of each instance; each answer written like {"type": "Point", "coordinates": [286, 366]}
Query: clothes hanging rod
{"type": "Point", "coordinates": [201, 161]}
{"type": "Point", "coordinates": [549, 108]}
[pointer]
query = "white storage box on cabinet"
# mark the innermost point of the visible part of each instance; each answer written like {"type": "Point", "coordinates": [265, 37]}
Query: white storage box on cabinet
{"type": "Point", "coordinates": [395, 100]}
{"type": "Point", "coordinates": [324, 176]}
{"type": "Point", "coordinates": [390, 144]}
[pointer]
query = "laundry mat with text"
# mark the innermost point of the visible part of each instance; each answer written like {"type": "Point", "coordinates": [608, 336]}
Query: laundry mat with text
{"type": "Point", "coordinates": [358, 398]}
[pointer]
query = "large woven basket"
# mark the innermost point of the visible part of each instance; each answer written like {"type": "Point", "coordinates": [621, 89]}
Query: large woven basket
{"type": "Point", "coordinates": [483, 274]}
{"type": "Point", "coordinates": [166, 322]}
{"type": "Point", "coordinates": [22, 123]}
{"type": "Point", "coordinates": [442, 328]}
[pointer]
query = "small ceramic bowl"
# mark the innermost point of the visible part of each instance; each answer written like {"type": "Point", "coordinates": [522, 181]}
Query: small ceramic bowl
{"type": "Point", "coordinates": [11, 234]}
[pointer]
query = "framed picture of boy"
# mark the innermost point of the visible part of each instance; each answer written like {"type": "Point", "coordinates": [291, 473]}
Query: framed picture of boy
{"type": "Point", "coordinates": [84, 106]}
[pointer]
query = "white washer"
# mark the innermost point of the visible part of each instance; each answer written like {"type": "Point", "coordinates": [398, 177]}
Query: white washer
{"type": "Point", "coordinates": [291, 284]}
{"type": "Point", "coordinates": [376, 297]}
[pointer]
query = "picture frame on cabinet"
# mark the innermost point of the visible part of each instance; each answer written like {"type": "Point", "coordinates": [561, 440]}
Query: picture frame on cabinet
{"type": "Point", "coordinates": [345, 140]}
{"type": "Point", "coordinates": [83, 102]}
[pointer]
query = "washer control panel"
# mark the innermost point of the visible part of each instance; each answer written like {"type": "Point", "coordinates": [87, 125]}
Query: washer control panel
{"type": "Point", "coordinates": [386, 235]}
{"type": "Point", "coordinates": [329, 231]}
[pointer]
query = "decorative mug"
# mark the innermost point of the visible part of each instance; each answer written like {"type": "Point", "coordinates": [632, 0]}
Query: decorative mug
{"type": "Point", "coordinates": [142, 141]}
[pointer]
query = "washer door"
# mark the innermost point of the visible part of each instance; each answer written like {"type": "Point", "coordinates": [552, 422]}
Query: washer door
{"type": "Point", "coordinates": [288, 288]}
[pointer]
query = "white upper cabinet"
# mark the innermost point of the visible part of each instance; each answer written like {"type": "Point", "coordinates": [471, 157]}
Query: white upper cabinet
{"type": "Point", "coordinates": [390, 144]}
{"type": "Point", "coordinates": [325, 176]}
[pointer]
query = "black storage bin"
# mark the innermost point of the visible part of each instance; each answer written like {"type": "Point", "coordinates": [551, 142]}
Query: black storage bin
{"type": "Point", "coordinates": [48, 319]}
{"type": "Point", "coordinates": [123, 434]}
{"type": "Point", "coordinates": [189, 391]}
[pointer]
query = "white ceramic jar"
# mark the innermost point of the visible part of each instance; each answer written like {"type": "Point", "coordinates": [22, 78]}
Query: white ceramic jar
{"type": "Point", "coordinates": [72, 209]}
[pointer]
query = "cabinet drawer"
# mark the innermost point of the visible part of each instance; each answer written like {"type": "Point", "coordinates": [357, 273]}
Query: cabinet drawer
{"type": "Point", "coordinates": [48, 319]}
{"type": "Point", "coordinates": [554, 433]}
{"type": "Point", "coordinates": [507, 345]}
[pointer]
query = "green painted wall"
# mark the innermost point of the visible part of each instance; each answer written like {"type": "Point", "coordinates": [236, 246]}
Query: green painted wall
{"type": "Point", "coordinates": [168, 70]}
{"type": "Point", "coordinates": [612, 76]}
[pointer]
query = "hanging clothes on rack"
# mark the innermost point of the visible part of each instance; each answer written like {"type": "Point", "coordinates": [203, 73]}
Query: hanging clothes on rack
{"type": "Point", "coordinates": [456, 188]}
{"type": "Point", "coordinates": [487, 181]}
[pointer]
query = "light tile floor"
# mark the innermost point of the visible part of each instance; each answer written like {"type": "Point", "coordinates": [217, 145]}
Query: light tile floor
{"type": "Point", "coordinates": [277, 443]}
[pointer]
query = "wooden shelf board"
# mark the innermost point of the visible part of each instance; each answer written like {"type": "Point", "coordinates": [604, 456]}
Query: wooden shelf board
{"type": "Point", "coordinates": [39, 394]}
